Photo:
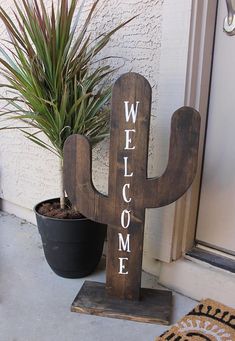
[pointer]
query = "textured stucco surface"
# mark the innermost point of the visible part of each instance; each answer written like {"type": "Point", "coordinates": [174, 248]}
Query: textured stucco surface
{"type": "Point", "coordinates": [154, 44]}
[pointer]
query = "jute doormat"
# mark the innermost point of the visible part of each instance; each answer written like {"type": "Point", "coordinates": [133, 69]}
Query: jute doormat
{"type": "Point", "coordinates": [209, 320]}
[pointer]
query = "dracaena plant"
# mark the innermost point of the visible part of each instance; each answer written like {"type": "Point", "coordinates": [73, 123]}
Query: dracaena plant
{"type": "Point", "coordinates": [54, 81]}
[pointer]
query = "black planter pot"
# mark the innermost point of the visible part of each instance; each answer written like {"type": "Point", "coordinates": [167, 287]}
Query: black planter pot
{"type": "Point", "coordinates": [72, 247]}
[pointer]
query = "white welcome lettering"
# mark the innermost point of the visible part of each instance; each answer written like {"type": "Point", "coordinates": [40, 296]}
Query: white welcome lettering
{"type": "Point", "coordinates": [124, 193]}
{"type": "Point", "coordinates": [133, 112]}
{"type": "Point", "coordinates": [128, 139]}
{"type": "Point", "coordinates": [122, 266]}
{"type": "Point", "coordinates": [124, 242]}
{"type": "Point", "coordinates": [126, 224]}
{"type": "Point", "coordinates": [125, 167]}
{"type": "Point", "coordinates": [124, 245]}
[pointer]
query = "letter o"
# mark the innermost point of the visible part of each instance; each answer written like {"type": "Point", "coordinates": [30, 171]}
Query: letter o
{"type": "Point", "coordinates": [128, 219]}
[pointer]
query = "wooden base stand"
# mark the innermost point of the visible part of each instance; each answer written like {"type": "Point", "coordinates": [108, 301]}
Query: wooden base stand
{"type": "Point", "coordinates": [154, 306]}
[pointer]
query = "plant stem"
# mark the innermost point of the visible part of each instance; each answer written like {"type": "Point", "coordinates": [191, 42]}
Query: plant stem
{"type": "Point", "coordinates": [61, 185]}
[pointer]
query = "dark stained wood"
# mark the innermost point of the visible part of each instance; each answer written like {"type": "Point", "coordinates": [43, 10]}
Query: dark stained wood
{"type": "Point", "coordinates": [78, 180]}
{"type": "Point", "coordinates": [132, 88]}
{"type": "Point", "coordinates": [182, 160]}
{"type": "Point", "coordinates": [154, 306]}
{"type": "Point", "coordinates": [143, 192]}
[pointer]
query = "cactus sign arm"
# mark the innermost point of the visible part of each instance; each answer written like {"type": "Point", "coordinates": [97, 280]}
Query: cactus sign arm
{"type": "Point", "coordinates": [78, 180]}
{"type": "Point", "coordinates": [182, 162]}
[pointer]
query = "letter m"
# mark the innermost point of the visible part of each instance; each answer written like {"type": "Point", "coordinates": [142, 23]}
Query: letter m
{"type": "Point", "coordinates": [124, 245]}
{"type": "Point", "coordinates": [132, 112]}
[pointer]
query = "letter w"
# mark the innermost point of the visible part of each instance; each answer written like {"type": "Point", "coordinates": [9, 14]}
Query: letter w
{"type": "Point", "coordinates": [132, 112]}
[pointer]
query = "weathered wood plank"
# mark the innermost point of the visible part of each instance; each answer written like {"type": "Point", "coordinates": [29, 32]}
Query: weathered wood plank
{"type": "Point", "coordinates": [182, 160]}
{"type": "Point", "coordinates": [130, 191]}
{"type": "Point", "coordinates": [78, 180]}
{"type": "Point", "coordinates": [154, 306]}
{"type": "Point", "coordinates": [129, 139]}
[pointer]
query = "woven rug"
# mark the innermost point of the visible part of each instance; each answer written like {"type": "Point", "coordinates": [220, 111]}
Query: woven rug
{"type": "Point", "coordinates": [209, 320]}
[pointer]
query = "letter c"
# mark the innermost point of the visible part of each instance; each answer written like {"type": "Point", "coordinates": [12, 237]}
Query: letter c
{"type": "Point", "coordinates": [124, 193]}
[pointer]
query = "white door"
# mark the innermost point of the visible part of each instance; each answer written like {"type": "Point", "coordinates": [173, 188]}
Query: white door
{"type": "Point", "coordinates": [216, 215]}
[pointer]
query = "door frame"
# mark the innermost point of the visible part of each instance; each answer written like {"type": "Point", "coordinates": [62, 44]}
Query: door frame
{"type": "Point", "coordinates": [188, 275]}
{"type": "Point", "coordinates": [197, 91]}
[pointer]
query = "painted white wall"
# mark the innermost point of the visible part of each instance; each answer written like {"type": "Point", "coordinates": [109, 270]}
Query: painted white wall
{"type": "Point", "coordinates": [156, 45]}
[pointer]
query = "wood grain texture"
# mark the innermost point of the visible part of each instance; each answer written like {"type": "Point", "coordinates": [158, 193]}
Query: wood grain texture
{"type": "Point", "coordinates": [154, 306]}
{"type": "Point", "coordinates": [141, 192]}
{"type": "Point", "coordinates": [131, 88]}
{"type": "Point", "coordinates": [78, 180]}
{"type": "Point", "coordinates": [182, 160]}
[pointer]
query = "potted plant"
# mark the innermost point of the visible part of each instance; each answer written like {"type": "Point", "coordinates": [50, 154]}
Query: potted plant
{"type": "Point", "coordinates": [57, 88]}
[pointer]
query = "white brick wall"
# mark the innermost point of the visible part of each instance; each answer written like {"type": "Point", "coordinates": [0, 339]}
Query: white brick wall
{"type": "Point", "coordinates": [154, 44]}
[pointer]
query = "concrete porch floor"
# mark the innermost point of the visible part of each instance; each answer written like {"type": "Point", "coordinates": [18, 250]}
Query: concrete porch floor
{"type": "Point", "coordinates": [35, 303]}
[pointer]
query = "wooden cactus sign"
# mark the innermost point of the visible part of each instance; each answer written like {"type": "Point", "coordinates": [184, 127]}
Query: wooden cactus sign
{"type": "Point", "coordinates": [130, 191]}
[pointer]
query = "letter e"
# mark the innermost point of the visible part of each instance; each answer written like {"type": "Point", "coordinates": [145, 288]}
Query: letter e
{"type": "Point", "coordinates": [122, 266]}
{"type": "Point", "coordinates": [128, 139]}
